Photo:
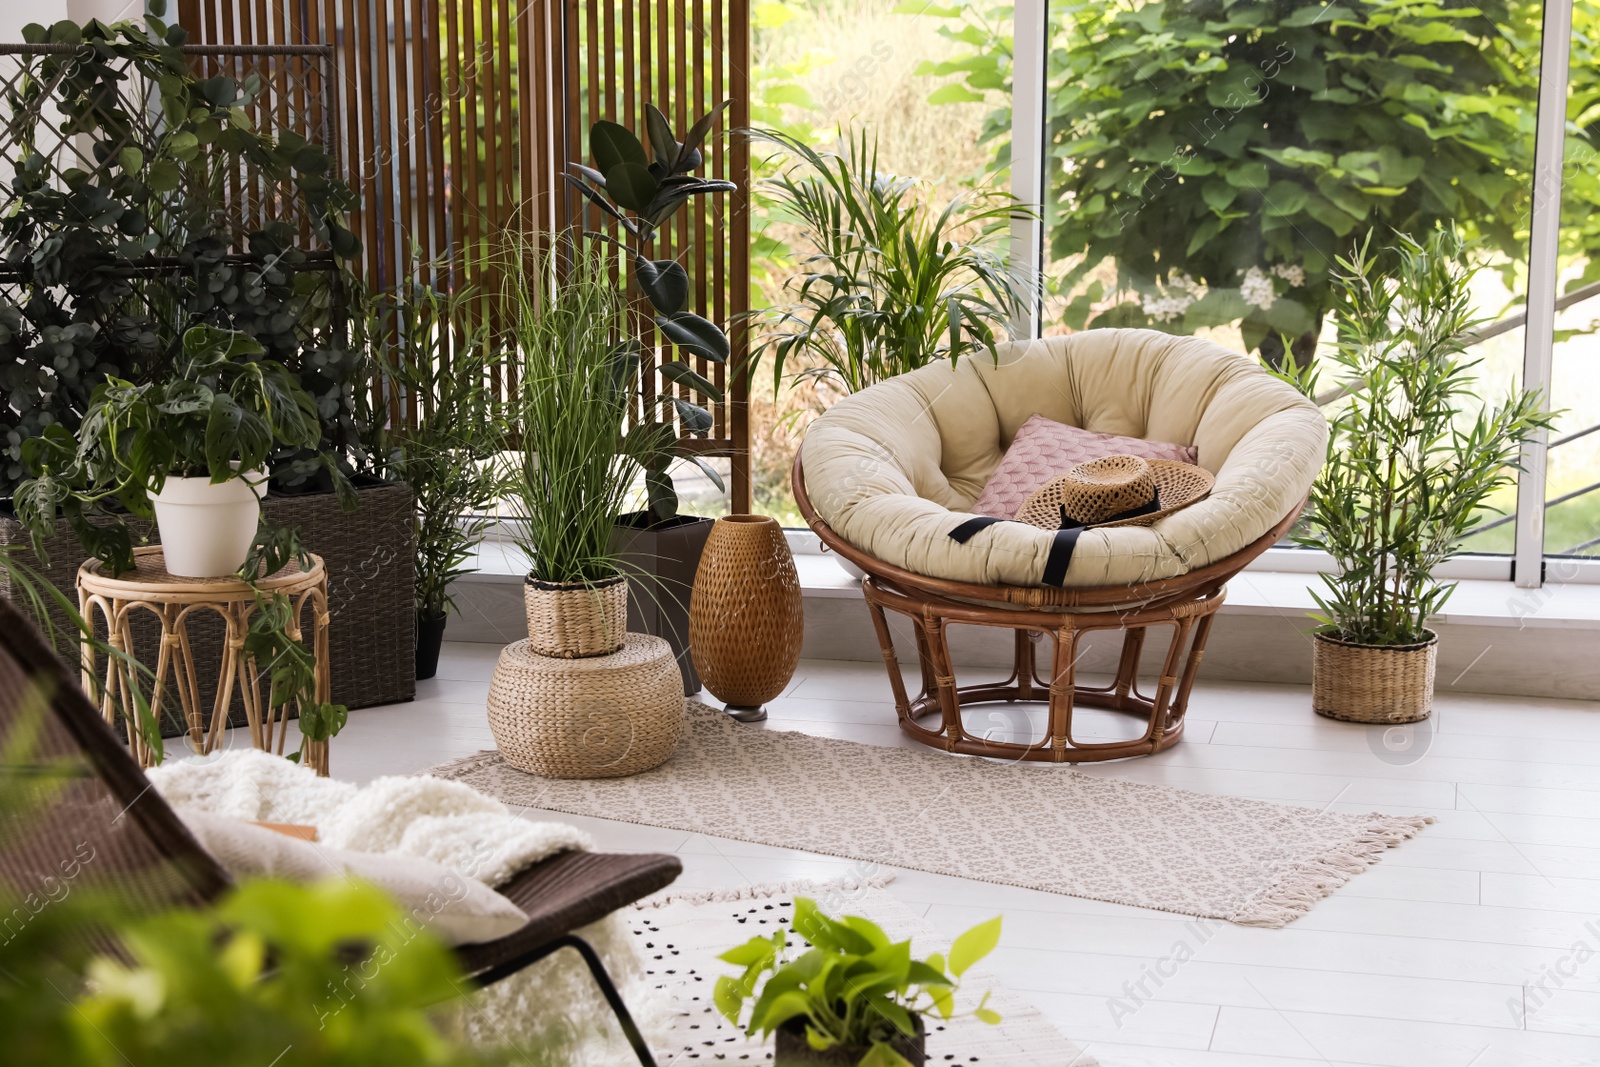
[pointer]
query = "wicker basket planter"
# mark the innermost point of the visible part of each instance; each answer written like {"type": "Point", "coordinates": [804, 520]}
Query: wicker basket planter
{"type": "Point", "coordinates": [1383, 684]}
{"type": "Point", "coordinates": [575, 620]}
{"type": "Point", "coordinates": [370, 555]}
{"type": "Point", "coordinates": [745, 616]}
{"type": "Point", "coordinates": [596, 717]}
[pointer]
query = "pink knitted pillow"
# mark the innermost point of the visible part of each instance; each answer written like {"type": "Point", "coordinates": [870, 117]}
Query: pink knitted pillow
{"type": "Point", "coordinates": [1043, 449]}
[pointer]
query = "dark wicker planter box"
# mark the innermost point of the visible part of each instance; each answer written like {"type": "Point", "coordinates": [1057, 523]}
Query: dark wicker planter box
{"type": "Point", "coordinates": [370, 558]}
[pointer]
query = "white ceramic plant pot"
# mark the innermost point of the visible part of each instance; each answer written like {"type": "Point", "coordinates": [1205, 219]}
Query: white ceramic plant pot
{"type": "Point", "coordinates": [206, 529]}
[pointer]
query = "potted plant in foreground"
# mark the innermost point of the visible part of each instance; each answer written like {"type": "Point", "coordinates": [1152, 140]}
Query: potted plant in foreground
{"type": "Point", "coordinates": [659, 548]}
{"type": "Point", "coordinates": [190, 449]}
{"type": "Point", "coordinates": [854, 998]}
{"type": "Point", "coordinates": [1412, 458]}
{"type": "Point", "coordinates": [450, 455]}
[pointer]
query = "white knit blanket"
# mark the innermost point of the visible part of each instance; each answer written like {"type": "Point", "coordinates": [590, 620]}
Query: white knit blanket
{"type": "Point", "coordinates": [446, 822]}
{"type": "Point", "coordinates": [550, 1012]}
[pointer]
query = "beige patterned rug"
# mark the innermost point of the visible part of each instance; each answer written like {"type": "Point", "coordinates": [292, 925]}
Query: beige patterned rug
{"type": "Point", "coordinates": [680, 935]}
{"type": "Point", "coordinates": [1038, 826]}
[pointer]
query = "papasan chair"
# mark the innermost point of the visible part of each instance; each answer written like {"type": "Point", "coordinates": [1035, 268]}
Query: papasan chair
{"type": "Point", "coordinates": [886, 475]}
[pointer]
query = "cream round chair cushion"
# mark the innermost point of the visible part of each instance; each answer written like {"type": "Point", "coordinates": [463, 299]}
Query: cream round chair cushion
{"type": "Point", "coordinates": [894, 468]}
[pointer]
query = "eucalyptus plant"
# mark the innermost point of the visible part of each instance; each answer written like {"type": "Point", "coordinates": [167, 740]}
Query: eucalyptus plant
{"type": "Point", "coordinates": [440, 364]}
{"type": "Point", "coordinates": [118, 234]}
{"type": "Point", "coordinates": [890, 283]}
{"type": "Point", "coordinates": [852, 988]}
{"type": "Point", "coordinates": [639, 194]}
{"type": "Point", "coordinates": [1414, 454]}
{"type": "Point", "coordinates": [219, 415]}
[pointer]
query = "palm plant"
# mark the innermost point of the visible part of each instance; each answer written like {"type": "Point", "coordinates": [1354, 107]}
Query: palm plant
{"type": "Point", "coordinates": [1407, 472]}
{"type": "Point", "coordinates": [449, 456]}
{"type": "Point", "coordinates": [890, 284]}
{"type": "Point", "coordinates": [568, 323]}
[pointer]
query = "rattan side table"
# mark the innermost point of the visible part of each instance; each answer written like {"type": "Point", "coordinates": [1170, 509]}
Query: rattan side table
{"type": "Point", "coordinates": [110, 601]}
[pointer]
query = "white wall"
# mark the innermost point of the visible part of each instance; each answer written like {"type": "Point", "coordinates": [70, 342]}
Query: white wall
{"type": "Point", "coordinates": [15, 14]}
{"type": "Point", "coordinates": [109, 11]}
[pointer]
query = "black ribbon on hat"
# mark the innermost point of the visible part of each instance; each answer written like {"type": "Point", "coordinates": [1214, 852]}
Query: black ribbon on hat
{"type": "Point", "coordinates": [1066, 539]}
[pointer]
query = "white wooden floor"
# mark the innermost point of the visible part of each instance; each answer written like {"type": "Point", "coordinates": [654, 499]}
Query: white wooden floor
{"type": "Point", "coordinates": [1475, 945]}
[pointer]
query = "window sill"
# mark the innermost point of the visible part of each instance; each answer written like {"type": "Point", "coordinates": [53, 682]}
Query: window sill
{"type": "Point", "coordinates": [1256, 591]}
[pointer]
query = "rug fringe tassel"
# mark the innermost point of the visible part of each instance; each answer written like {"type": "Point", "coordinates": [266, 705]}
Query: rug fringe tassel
{"type": "Point", "coordinates": [1294, 894]}
{"type": "Point", "coordinates": [800, 886]}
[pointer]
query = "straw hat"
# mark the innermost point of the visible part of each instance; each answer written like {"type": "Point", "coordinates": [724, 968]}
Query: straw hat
{"type": "Point", "coordinates": [1116, 491]}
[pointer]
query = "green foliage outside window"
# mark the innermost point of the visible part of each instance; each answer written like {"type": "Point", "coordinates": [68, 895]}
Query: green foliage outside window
{"type": "Point", "coordinates": [1209, 158]}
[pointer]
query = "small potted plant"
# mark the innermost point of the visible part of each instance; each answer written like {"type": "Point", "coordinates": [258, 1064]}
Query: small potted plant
{"type": "Point", "coordinates": [1412, 459]}
{"type": "Point", "coordinates": [854, 998]}
{"type": "Point", "coordinates": [639, 191]}
{"type": "Point", "coordinates": [450, 455]}
{"type": "Point", "coordinates": [190, 449]}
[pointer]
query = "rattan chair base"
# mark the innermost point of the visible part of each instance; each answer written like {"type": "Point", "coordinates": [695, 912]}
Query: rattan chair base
{"type": "Point", "coordinates": [1188, 604]}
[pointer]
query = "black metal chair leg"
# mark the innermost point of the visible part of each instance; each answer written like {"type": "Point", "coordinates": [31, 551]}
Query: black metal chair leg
{"type": "Point", "coordinates": [591, 959]}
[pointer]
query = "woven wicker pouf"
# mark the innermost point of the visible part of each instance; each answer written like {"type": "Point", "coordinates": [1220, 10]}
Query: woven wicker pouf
{"type": "Point", "coordinates": [599, 717]}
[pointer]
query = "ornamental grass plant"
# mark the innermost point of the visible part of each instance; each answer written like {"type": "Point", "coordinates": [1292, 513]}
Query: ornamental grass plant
{"type": "Point", "coordinates": [567, 326]}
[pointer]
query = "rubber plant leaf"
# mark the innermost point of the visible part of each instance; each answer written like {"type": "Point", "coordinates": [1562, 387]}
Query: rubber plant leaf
{"type": "Point", "coordinates": [663, 144]}
{"type": "Point", "coordinates": [684, 374]}
{"type": "Point", "coordinates": [700, 336]}
{"type": "Point", "coordinates": [632, 186]}
{"type": "Point", "coordinates": [664, 281]}
{"type": "Point", "coordinates": [695, 418]}
{"type": "Point", "coordinates": [612, 145]}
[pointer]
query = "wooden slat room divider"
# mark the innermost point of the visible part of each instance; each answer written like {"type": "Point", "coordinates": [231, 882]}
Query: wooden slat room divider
{"type": "Point", "coordinates": [455, 118]}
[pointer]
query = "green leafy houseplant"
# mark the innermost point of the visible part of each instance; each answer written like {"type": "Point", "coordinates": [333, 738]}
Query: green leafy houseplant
{"type": "Point", "coordinates": [1408, 468]}
{"type": "Point", "coordinates": [889, 283]}
{"type": "Point", "coordinates": [220, 414]}
{"type": "Point", "coordinates": [440, 364]}
{"type": "Point", "coordinates": [219, 417]}
{"type": "Point", "coordinates": [640, 193]}
{"type": "Point", "coordinates": [853, 989]}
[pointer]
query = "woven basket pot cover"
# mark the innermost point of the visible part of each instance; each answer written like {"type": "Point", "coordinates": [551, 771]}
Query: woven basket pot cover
{"type": "Point", "coordinates": [574, 620]}
{"type": "Point", "coordinates": [745, 616]}
{"type": "Point", "coordinates": [1373, 683]}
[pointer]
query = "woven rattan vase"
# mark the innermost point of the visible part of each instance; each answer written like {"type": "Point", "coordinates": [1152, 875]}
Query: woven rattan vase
{"type": "Point", "coordinates": [596, 717]}
{"type": "Point", "coordinates": [573, 620]}
{"type": "Point", "coordinates": [1373, 683]}
{"type": "Point", "coordinates": [745, 621]}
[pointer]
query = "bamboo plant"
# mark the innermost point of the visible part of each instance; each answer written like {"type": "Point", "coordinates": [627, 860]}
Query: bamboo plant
{"type": "Point", "coordinates": [1414, 454]}
{"type": "Point", "coordinates": [890, 283]}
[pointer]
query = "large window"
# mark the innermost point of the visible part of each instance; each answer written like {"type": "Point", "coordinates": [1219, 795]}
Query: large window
{"type": "Point", "coordinates": [1202, 164]}
{"type": "Point", "coordinates": [1572, 516]}
{"type": "Point", "coordinates": [902, 73]}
